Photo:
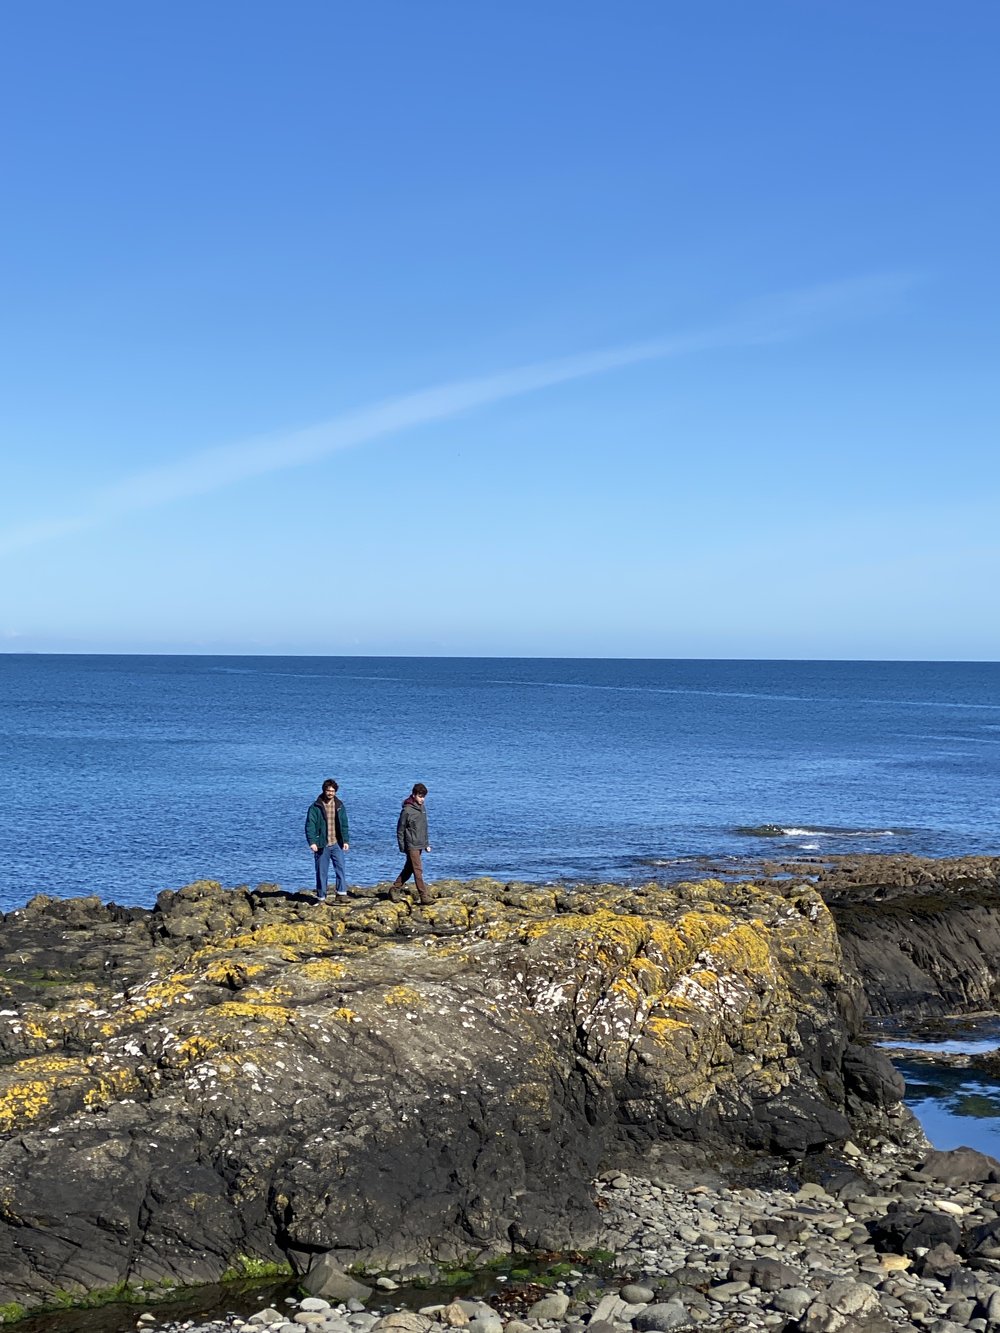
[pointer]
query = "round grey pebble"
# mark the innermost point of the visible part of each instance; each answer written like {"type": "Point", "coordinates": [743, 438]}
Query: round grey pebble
{"type": "Point", "coordinates": [634, 1294]}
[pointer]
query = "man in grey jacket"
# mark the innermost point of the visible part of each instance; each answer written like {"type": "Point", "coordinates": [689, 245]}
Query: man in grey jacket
{"type": "Point", "coordinates": [411, 835]}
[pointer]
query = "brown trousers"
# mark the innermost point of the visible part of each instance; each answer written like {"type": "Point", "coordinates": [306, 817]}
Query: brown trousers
{"type": "Point", "coordinates": [413, 866]}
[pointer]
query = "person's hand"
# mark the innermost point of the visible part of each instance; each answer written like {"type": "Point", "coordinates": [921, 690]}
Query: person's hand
{"type": "Point", "coordinates": [427, 848]}
{"type": "Point", "coordinates": [347, 846]}
{"type": "Point", "coordinates": [313, 847]}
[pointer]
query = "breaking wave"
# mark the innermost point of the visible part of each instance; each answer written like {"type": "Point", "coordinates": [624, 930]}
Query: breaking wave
{"type": "Point", "coordinates": [794, 831]}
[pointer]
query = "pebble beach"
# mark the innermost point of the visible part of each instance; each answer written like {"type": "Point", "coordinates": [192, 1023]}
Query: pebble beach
{"type": "Point", "coordinates": [882, 1245]}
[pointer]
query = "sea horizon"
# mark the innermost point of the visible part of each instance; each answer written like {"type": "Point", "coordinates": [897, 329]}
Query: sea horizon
{"type": "Point", "coordinates": [189, 766]}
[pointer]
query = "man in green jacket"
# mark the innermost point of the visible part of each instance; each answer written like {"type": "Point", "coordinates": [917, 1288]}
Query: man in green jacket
{"type": "Point", "coordinates": [327, 833]}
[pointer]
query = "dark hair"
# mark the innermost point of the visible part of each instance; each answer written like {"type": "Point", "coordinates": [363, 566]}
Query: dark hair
{"type": "Point", "coordinates": [419, 789]}
{"type": "Point", "coordinates": [329, 782]}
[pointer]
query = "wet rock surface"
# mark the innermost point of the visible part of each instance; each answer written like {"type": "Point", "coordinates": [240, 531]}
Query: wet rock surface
{"type": "Point", "coordinates": [243, 1078]}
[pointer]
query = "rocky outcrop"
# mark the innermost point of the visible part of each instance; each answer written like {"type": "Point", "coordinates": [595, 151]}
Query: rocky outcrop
{"type": "Point", "coordinates": [922, 935]}
{"type": "Point", "coordinates": [237, 1078]}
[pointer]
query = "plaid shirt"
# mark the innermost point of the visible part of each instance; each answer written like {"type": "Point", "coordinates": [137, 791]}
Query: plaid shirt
{"type": "Point", "coordinates": [330, 809]}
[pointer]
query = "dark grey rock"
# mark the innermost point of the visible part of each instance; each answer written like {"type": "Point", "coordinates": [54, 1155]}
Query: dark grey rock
{"type": "Point", "coordinates": [324, 1278]}
{"type": "Point", "coordinates": [983, 1242]}
{"type": "Point", "coordinates": [939, 1261]}
{"type": "Point", "coordinates": [773, 1275]}
{"type": "Point", "coordinates": [903, 1230]}
{"type": "Point", "coordinates": [960, 1166]}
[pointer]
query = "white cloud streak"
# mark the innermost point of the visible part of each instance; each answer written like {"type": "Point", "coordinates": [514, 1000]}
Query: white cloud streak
{"type": "Point", "coordinates": [778, 319]}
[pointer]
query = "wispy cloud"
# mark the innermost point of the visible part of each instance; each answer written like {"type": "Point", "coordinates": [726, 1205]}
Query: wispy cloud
{"type": "Point", "coordinates": [790, 315]}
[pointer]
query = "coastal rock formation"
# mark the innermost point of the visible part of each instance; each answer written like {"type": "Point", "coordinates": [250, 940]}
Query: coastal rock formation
{"type": "Point", "coordinates": [923, 935]}
{"type": "Point", "coordinates": [237, 1079]}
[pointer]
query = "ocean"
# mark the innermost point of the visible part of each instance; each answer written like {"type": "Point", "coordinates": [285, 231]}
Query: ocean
{"type": "Point", "coordinates": [125, 775]}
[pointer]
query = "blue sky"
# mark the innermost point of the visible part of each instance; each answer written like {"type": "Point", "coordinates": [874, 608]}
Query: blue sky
{"type": "Point", "coordinates": [648, 329]}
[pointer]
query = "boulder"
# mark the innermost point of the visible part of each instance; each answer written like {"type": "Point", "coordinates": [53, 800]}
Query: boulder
{"type": "Point", "coordinates": [324, 1279]}
{"type": "Point", "coordinates": [905, 1230]}
{"type": "Point", "coordinates": [960, 1166]}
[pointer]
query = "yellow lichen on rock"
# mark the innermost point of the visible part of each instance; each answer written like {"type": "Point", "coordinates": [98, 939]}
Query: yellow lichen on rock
{"type": "Point", "coordinates": [189, 1051]}
{"type": "Point", "coordinates": [232, 972]}
{"type": "Point", "coordinates": [110, 1086]}
{"type": "Point", "coordinates": [293, 940]}
{"type": "Point", "coordinates": [28, 1090]}
{"type": "Point", "coordinates": [322, 970]}
{"type": "Point", "coordinates": [255, 1011]}
{"type": "Point", "coordinates": [147, 1001]}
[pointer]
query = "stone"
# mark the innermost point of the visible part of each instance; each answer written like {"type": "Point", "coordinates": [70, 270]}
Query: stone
{"type": "Point", "coordinates": [552, 1306]}
{"type": "Point", "coordinates": [726, 1291]}
{"type": "Point", "coordinates": [773, 1275]}
{"type": "Point", "coordinates": [453, 1315]}
{"type": "Point", "coordinates": [906, 1230]}
{"type": "Point", "coordinates": [960, 1166]}
{"type": "Point", "coordinates": [850, 1298]}
{"type": "Point", "coordinates": [962, 1311]}
{"type": "Point", "coordinates": [635, 1294]}
{"type": "Point", "coordinates": [662, 1317]}
{"type": "Point", "coordinates": [312, 1304]}
{"type": "Point", "coordinates": [609, 1309]}
{"type": "Point", "coordinates": [939, 1261]}
{"type": "Point", "coordinates": [486, 1323]}
{"type": "Point", "coordinates": [894, 1263]}
{"type": "Point", "coordinates": [983, 1242]}
{"type": "Point", "coordinates": [794, 1301]}
{"type": "Point", "coordinates": [408, 1321]}
{"type": "Point", "coordinates": [819, 1318]}
{"type": "Point", "coordinates": [324, 1278]}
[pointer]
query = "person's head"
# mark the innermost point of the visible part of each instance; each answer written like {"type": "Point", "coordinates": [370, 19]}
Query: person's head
{"type": "Point", "coordinates": [419, 791]}
{"type": "Point", "coordinates": [329, 789]}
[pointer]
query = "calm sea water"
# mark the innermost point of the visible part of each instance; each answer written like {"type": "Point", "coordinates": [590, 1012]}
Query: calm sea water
{"type": "Point", "coordinates": [125, 775]}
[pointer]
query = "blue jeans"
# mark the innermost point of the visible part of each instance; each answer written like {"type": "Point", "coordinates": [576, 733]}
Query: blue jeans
{"type": "Point", "coordinates": [323, 858]}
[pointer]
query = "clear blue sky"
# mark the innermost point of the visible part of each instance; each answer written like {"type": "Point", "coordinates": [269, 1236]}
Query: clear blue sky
{"type": "Point", "coordinates": [711, 288]}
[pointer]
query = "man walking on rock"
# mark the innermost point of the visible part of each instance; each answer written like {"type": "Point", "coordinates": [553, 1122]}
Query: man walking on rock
{"type": "Point", "coordinates": [327, 832]}
{"type": "Point", "coordinates": [411, 834]}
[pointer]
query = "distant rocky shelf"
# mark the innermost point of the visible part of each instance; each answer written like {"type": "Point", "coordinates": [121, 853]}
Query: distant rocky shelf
{"type": "Point", "coordinates": [248, 1082]}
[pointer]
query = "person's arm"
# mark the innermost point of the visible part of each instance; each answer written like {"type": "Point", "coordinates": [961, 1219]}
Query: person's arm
{"type": "Point", "coordinates": [401, 828]}
{"type": "Point", "coordinates": [311, 837]}
{"type": "Point", "coordinates": [345, 828]}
